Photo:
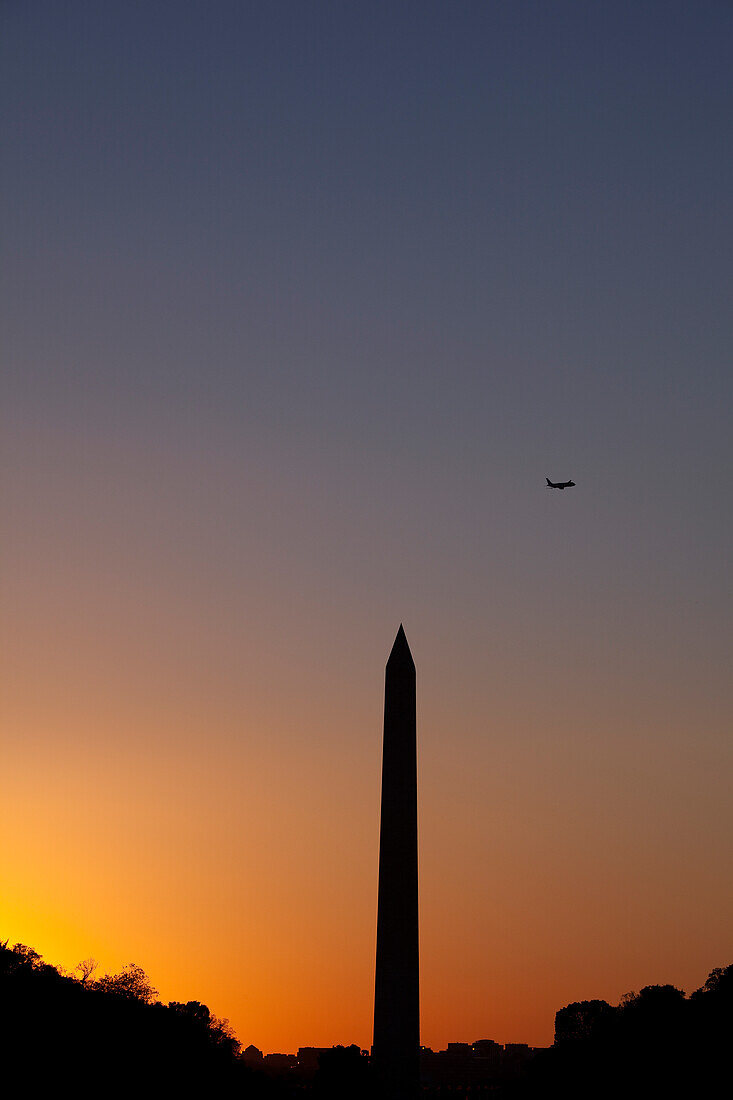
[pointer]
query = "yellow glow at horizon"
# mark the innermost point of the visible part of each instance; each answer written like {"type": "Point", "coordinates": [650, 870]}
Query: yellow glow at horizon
{"type": "Point", "coordinates": [240, 870]}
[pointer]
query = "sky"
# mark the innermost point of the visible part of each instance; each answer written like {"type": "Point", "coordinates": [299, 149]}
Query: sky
{"type": "Point", "coordinates": [302, 302]}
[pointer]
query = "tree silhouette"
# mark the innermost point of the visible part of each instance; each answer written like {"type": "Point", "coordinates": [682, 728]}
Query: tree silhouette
{"type": "Point", "coordinates": [126, 1041]}
{"type": "Point", "coordinates": [86, 968]}
{"type": "Point", "coordinates": [343, 1072]}
{"type": "Point", "coordinates": [656, 1043]}
{"type": "Point", "coordinates": [131, 982]}
{"type": "Point", "coordinates": [582, 1020]}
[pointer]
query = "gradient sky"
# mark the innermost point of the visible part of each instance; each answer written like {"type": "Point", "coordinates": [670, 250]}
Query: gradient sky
{"type": "Point", "coordinates": [301, 303]}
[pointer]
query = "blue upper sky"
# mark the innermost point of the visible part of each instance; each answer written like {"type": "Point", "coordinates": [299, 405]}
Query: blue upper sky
{"type": "Point", "coordinates": [383, 250]}
{"type": "Point", "coordinates": [401, 260]}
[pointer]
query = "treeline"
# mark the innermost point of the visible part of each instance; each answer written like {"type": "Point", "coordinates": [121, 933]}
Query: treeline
{"type": "Point", "coordinates": [658, 1043]}
{"type": "Point", "coordinates": [109, 1036]}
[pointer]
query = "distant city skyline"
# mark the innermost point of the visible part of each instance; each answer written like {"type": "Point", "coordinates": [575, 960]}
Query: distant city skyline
{"type": "Point", "coordinates": [302, 304]}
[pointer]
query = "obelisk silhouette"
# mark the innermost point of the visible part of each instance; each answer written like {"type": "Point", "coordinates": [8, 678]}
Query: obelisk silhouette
{"type": "Point", "coordinates": [396, 1047]}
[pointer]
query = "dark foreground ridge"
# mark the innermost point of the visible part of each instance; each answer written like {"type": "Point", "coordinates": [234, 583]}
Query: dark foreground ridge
{"type": "Point", "coordinates": [110, 1037]}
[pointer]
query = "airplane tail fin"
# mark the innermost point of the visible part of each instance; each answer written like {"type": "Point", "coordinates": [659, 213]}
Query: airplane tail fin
{"type": "Point", "coordinates": [548, 481]}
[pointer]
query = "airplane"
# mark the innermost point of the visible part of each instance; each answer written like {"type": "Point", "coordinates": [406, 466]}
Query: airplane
{"type": "Point", "coordinates": [558, 484]}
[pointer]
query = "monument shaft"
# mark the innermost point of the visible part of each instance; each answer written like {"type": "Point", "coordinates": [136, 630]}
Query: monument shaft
{"type": "Point", "coordinates": [396, 1048]}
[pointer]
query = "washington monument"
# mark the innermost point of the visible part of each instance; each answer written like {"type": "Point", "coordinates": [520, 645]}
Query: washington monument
{"type": "Point", "coordinates": [396, 1047]}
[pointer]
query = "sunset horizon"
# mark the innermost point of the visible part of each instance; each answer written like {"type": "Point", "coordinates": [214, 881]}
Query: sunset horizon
{"type": "Point", "coordinates": [223, 1001]}
{"type": "Point", "coordinates": [321, 319]}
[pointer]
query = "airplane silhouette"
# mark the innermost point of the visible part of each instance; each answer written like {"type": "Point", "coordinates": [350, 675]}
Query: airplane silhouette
{"type": "Point", "coordinates": [558, 484]}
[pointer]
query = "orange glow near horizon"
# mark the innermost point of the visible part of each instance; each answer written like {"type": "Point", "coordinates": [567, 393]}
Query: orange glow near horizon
{"type": "Point", "coordinates": [305, 303]}
{"type": "Point", "coordinates": [237, 862]}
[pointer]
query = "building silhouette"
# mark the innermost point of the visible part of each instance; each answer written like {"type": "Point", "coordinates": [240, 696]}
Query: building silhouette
{"type": "Point", "coordinates": [396, 1045]}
